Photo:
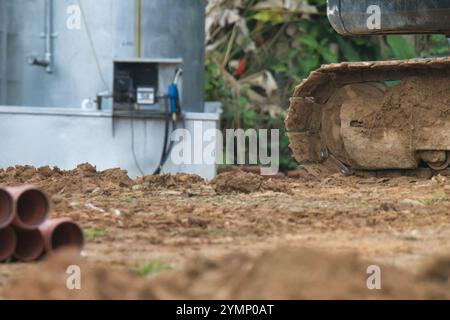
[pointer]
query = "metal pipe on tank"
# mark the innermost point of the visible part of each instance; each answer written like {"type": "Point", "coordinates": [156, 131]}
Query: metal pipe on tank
{"type": "Point", "coordinates": [47, 61]}
{"type": "Point", "coordinates": [49, 35]}
{"type": "Point", "coordinates": [139, 29]}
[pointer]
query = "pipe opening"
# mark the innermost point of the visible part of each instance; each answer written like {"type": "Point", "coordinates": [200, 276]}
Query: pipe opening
{"type": "Point", "coordinates": [67, 234]}
{"type": "Point", "coordinates": [8, 242]}
{"type": "Point", "coordinates": [6, 208]}
{"type": "Point", "coordinates": [30, 245]}
{"type": "Point", "coordinates": [32, 207]}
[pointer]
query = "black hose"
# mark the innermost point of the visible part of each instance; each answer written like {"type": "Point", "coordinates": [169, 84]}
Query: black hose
{"type": "Point", "coordinates": [166, 149]}
{"type": "Point", "coordinates": [133, 149]}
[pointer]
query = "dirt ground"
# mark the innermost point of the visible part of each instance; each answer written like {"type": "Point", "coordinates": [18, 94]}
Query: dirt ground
{"type": "Point", "coordinates": [240, 236]}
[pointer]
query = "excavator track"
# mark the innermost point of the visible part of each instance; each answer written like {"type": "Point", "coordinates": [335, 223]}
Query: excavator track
{"type": "Point", "coordinates": [374, 118]}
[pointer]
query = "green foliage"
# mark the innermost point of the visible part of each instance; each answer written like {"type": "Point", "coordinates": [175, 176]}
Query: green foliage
{"type": "Point", "coordinates": [435, 45]}
{"type": "Point", "coordinates": [152, 267]}
{"type": "Point", "coordinates": [400, 47]}
{"type": "Point", "coordinates": [95, 233]}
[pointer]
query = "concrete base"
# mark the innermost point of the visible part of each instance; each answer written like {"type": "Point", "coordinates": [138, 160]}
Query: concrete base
{"type": "Point", "coordinates": [67, 137]}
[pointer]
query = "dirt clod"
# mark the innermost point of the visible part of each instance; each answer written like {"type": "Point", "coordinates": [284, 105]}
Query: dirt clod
{"type": "Point", "coordinates": [244, 182]}
{"type": "Point", "coordinates": [168, 181]}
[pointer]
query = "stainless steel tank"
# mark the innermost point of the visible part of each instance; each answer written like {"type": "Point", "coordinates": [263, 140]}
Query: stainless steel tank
{"type": "Point", "coordinates": [57, 53]}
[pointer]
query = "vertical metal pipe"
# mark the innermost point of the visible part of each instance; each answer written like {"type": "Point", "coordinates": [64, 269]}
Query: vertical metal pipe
{"type": "Point", "coordinates": [49, 35]}
{"type": "Point", "coordinates": [47, 60]}
{"type": "Point", "coordinates": [3, 50]}
{"type": "Point", "coordinates": [139, 29]}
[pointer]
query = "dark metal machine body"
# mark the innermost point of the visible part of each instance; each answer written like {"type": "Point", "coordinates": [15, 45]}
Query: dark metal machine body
{"type": "Point", "coordinates": [350, 17]}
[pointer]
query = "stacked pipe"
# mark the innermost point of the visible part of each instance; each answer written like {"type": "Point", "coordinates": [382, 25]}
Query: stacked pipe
{"type": "Point", "coordinates": [25, 232]}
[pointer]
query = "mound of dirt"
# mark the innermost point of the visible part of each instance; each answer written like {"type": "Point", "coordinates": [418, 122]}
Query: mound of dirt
{"type": "Point", "coordinates": [244, 182]}
{"type": "Point", "coordinates": [285, 273]}
{"type": "Point", "coordinates": [169, 181]}
{"type": "Point", "coordinates": [238, 181]}
{"type": "Point", "coordinates": [83, 179]}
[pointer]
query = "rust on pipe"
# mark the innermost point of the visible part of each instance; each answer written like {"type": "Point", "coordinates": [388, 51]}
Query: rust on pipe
{"type": "Point", "coordinates": [31, 206]}
{"type": "Point", "coordinates": [30, 245]}
{"type": "Point", "coordinates": [61, 233]}
{"type": "Point", "coordinates": [6, 209]}
{"type": "Point", "coordinates": [8, 243]}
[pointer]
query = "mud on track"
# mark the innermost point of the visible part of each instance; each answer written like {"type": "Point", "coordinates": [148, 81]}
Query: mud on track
{"type": "Point", "coordinates": [241, 236]}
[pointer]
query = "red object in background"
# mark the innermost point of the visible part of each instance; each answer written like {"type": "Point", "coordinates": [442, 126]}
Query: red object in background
{"type": "Point", "coordinates": [242, 67]}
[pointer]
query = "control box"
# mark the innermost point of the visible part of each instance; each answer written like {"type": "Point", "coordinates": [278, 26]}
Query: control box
{"type": "Point", "coordinates": [142, 84]}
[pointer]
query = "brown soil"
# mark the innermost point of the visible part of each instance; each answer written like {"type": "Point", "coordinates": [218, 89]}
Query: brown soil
{"type": "Point", "coordinates": [285, 273]}
{"type": "Point", "coordinates": [416, 102]}
{"type": "Point", "coordinates": [243, 182]}
{"type": "Point", "coordinates": [252, 238]}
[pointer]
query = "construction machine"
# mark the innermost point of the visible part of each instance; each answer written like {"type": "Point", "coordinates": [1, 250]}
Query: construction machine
{"type": "Point", "coordinates": [383, 116]}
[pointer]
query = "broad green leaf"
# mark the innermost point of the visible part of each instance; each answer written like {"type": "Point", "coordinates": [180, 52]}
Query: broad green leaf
{"type": "Point", "coordinates": [309, 41]}
{"type": "Point", "coordinates": [349, 53]}
{"type": "Point", "coordinates": [328, 56]}
{"type": "Point", "coordinates": [401, 48]}
{"type": "Point", "coordinates": [308, 64]}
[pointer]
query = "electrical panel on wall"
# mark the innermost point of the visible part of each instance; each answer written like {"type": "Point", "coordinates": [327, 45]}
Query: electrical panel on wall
{"type": "Point", "coordinates": [142, 84]}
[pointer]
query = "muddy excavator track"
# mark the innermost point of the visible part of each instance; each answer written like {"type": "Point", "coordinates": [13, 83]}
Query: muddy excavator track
{"type": "Point", "coordinates": [374, 118]}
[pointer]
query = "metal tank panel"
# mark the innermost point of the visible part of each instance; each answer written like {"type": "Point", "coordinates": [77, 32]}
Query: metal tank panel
{"type": "Point", "coordinates": [177, 29]}
{"type": "Point", "coordinates": [83, 58]}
